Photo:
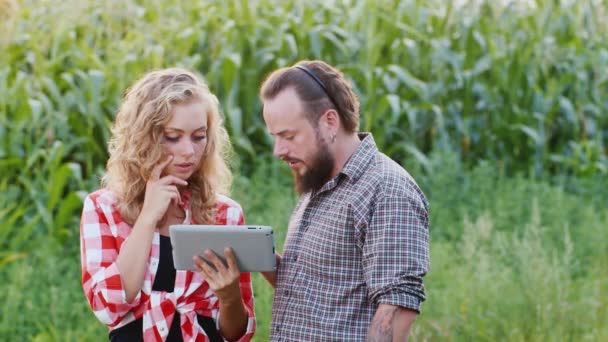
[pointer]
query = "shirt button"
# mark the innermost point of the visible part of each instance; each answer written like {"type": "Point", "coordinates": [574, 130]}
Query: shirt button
{"type": "Point", "coordinates": [286, 293]}
{"type": "Point", "coordinates": [162, 329]}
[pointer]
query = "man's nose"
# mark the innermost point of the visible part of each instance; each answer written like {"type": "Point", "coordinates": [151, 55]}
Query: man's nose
{"type": "Point", "coordinates": [280, 150]}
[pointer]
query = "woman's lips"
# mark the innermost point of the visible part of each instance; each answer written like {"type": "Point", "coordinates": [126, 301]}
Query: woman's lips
{"type": "Point", "coordinates": [184, 166]}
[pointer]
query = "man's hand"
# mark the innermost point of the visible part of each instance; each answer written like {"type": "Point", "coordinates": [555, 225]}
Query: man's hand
{"type": "Point", "coordinates": [391, 323]}
{"type": "Point", "coordinates": [271, 277]}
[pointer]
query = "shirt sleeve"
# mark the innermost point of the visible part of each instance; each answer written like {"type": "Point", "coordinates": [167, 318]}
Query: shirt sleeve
{"type": "Point", "coordinates": [396, 251]}
{"type": "Point", "coordinates": [101, 280]}
{"type": "Point", "coordinates": [235, 216]}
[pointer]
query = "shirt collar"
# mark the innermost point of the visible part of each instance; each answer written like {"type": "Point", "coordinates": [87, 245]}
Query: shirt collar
{"type": "Point", "coordinates": [356, 164]}
{"type": "Point", "coordinates": [186, 195]}
{"type": "Point", "coordinates": [361, 158]}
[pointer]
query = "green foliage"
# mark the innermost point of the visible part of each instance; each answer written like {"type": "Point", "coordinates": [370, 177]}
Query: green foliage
{"type": "Point", "coordinates": [521, 84]}
{"type": "Point", "coordinates": [507, 262]}
{"type": "Point", "coordinates": [43, 299]}
{"type": "Point", "coordinates": [497, 109]}
{"type": "Point", "coordinates": [521, 87]}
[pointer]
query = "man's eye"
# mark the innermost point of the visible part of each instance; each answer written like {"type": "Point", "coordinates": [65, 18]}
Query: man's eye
{"type": "Point", "coordinates": [289, 137]}
{"type": "Point", "coordinates": [172, 139]}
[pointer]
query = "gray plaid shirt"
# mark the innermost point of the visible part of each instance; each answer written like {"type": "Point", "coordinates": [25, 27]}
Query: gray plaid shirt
{"type": "Point", "coordinates": [360, 241]}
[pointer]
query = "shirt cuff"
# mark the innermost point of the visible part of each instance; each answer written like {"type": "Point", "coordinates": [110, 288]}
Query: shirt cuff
{"type": "Point", "coordinates": [400, 298]}
{"type": "Point", "coordinates": [251, 324]}
{"type": "Point", "coordinates": [114, 292]}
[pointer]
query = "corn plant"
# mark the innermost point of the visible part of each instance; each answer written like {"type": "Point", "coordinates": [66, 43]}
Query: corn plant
{"type": "Point", "coordinates": [519, 84]}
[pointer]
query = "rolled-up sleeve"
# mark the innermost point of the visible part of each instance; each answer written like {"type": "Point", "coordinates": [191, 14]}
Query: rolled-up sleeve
{"type": "Point", "coordinates": [396, 251]}
{"type": "Point", "coordinates": [101, 280]}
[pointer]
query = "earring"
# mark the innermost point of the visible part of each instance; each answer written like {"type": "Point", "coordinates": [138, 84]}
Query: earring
{"type": "Point", "coordinates": [333, 138]}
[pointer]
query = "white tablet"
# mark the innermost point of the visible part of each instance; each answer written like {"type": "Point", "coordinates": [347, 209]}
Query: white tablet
{"type": "Point", "coordinates": [253, 246]}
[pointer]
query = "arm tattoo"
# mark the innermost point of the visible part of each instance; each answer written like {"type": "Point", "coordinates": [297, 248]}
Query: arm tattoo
{"type": "Point", "coordinates": [381, 328]}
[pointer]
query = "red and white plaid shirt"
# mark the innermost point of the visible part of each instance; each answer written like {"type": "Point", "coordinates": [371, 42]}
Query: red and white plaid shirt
{"type": "Point", "coordinates": [103, 232]}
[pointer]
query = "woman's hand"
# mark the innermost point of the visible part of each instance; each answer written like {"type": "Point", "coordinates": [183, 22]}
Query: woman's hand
{"type": "Point", "coordinates": [134, 253]}
{"type": "Point", "coordinates": [223, 279]}
{"type": "Point", "coordinates": [160, 192]}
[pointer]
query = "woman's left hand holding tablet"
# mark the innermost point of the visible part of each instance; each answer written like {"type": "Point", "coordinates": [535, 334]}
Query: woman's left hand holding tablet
{"type": "Point", "coordinates": [223, 278]}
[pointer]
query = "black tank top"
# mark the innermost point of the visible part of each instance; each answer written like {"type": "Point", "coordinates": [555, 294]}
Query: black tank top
{"type": "Point", "coordinates": [164, 281]}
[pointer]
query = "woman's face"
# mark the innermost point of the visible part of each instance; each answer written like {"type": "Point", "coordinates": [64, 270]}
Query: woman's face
{"type": "Point", "coordinates": [185, 138]}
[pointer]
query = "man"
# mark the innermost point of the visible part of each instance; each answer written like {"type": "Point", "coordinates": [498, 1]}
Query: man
{"type": "Point", "coordinates": [357, 243]}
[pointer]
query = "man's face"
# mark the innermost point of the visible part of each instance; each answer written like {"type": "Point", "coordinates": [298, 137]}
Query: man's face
{"type": "Point", "coordinates": [297, 141]}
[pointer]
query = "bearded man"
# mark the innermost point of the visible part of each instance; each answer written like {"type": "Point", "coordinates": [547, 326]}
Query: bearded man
{"type": "Point", "coordinates": [357, 245]}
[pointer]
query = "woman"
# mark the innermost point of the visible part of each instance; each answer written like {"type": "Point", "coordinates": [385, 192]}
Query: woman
{"type": "Point", "coordinates": [167, 166]}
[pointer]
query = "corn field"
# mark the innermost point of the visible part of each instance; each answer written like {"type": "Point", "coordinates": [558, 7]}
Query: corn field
{"type": "Point", "coordinates": [519, 87]}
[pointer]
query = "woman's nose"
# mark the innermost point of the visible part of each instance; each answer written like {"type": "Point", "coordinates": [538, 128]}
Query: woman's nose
{"type": "Point", "coordinates": [187, 148]}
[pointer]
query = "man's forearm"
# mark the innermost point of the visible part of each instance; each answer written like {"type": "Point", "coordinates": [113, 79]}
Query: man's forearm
{"type": "Point", "coordinates": [390, 323]}
{"type": "Point", "coordinates": [271, 277]}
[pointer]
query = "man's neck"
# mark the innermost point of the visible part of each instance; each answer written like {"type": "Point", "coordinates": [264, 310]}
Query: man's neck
{"type": "Point", "coordinates": [345, 148]}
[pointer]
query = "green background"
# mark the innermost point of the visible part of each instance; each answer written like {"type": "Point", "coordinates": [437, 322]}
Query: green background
{"type": "Point", "coordinates": [497, 108]}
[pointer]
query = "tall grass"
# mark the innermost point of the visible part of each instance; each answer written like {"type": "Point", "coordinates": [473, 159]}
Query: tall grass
{"type": "Point", "coordinates": [513, 265]}
{"type": "Point", "coordinates": [511, 257]}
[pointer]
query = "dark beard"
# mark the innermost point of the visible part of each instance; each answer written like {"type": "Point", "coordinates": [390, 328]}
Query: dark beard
{"type": "Point", "coordinates": [318, 173]}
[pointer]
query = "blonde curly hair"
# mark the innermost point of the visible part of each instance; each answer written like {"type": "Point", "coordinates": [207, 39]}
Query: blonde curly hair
{"type": "Point", "coordinates": [135, 147]}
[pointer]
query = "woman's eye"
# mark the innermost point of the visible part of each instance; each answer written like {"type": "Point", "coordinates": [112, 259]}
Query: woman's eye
{"type": "Point", "coordinates": [200, 137]}
{"type": "Point", "coordinates": [289, 138]}
{"type": "Point", "coordinates": [172, 139]}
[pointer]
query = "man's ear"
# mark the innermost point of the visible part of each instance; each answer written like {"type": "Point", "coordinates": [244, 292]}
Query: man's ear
{"type": "Point", "coordinates": [331, 120]}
